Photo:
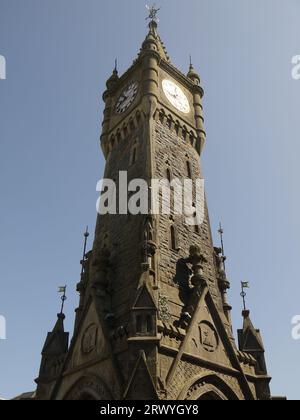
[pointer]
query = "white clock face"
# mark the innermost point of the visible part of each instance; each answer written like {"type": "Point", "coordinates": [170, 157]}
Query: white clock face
{"type": "Point", "coordinates": [127, 97]}
{"type": "Point", "coordinates": [176, 96]}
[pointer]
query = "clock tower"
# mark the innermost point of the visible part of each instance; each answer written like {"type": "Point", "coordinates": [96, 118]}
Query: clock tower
{"type": "Point", "coordinates": [153, 320]}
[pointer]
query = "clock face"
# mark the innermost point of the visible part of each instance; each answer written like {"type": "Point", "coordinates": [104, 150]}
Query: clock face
{"type": "Point", "coordinates": [127, 97]}
{"type": "Point", "coordinates": [176, 96]}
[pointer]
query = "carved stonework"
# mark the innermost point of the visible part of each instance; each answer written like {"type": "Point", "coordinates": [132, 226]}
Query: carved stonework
{"type": "Point", "coordinates": [208, 337]}
{"type": "Point", "coordinates": [89, 339]}
{"type": "Point", "coordinates": [164, 308]}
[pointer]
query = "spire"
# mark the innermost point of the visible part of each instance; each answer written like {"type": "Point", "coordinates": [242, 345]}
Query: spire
{"type": "Point", "coordinates": [53, 357]}
{"type": "Point", "coordinates": [153, 41]}
{"type": "Point", "coordinates": [113, 80]}
{"type": "Point", "coordinates": [57, 341]}
{"type": "Point", "coordinates": [192, 74]}
{"type": "Point", "coordinates": [250, 341]}
{"type": "Point", "coordinates": [54, 351]}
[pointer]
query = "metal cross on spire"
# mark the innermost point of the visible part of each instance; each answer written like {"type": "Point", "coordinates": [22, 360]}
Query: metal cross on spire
{"type": "Point", "coordinates": [153, 10]}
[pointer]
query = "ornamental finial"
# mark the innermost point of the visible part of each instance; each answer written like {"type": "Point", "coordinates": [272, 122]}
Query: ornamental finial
{"type": "Point", "coordinates": [153, 10]}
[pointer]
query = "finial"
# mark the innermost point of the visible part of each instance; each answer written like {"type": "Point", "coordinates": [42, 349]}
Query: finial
{"type": "Point", "coordinates": [116, 66]}
{"type": "Point", "coordinates": [62, 290]}
{"type": "Point", "coordinates": [221, 233]}
{"type": "Point", "coordinates": [245, 285]}
{"type": "Point", "coordinates": [86, 235]}
{"type": "Point", "coordinates": [152, 13]}
{"type": "Point", "coordinates": [192, 74]}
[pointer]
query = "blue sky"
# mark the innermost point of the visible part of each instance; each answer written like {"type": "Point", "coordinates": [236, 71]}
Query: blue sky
{"type": "Point", "coordinates": [59, 54]}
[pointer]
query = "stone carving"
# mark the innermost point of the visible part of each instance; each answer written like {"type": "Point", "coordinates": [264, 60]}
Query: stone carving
{"type": "Point", "coordinates": [197, 260]}
{"type": "Point", "coordinates": [208, 337]}
{"type": "Point", "coordinates": [220, 262]}
{"type": "Point", "coordinates": [163, 308]}
{"type": "Point", "coordinates": [89, 339]}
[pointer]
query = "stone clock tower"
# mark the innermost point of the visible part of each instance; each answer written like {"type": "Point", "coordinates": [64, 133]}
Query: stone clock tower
{"type": "Point", "coordinates": [153, 320]}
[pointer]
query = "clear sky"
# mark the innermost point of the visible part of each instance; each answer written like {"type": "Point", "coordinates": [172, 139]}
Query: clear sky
{"type": "Point", "coordinates": [59, 54]}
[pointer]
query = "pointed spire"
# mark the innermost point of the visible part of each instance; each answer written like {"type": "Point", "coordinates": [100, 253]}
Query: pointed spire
{"type": "Point", "coordinates": [250, 340]}
{"type": "Point", "coordinates": [114, 78]}
{"type": "Point", "coordinates": [192, 74]}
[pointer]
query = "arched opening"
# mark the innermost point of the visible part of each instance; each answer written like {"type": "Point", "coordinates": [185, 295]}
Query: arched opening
{"type": "Point", "coordinates": [210, 396]}
{"type": "Point", "coordinates": [208, 388]}
{"type": "Point", "coordinates": [86, 396]}
{"type": "Point", "coordinates": [173, 238]}
{"type": "Point", "coordinates": [169, 175]}
{"type": "Point", "coordinates": [189, 169]}
{"type": "Point", "coordinates": [89, 388]}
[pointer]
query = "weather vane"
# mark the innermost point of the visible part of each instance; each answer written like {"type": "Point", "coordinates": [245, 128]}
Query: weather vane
{"type": "Point", "coordinates": [62, 290]}
{"type": "Point", "coordinates": [152, 13]}
{"type": "Point", "coordinates": [245, 285]}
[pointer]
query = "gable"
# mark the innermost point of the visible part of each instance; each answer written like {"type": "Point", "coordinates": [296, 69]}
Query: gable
{"type": "Point", "coordinates": [207, 341]}
{"type": "Point", "coordinates": [144, 299]}
{"type": "Point", "coordinates": [90, 342]}
{"type": "Point", "coordinates": [141, 386]}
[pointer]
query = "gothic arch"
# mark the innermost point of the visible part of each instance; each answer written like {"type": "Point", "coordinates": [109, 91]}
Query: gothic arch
{"type": "Point", "coordinates": [208, 387]}
{"type": "Point", "coordinates": [89, 388]}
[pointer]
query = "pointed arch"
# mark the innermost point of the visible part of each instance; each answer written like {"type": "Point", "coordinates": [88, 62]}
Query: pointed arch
{"type": "Point", "coordinates": [173, 238]}
{"type": "Point", "coordinates": [89, 388]}
{"type": "Point", "coordinates": [184, 132]}
{"type": "Point", "coordinates": [131, 125]}
{"type": "Point", "coordinates": [208, 387]}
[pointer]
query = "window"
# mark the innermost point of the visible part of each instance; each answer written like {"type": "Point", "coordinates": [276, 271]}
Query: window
{"type": "Point", "coordinates": [189, 169]}
{"type": "Point", "coordinates": [138, 118]}
{"type": "Point", "coordinates": [131, 125]}
{"type": "Point", "coordinates": [149, 324]}
{"type": "Point", "coordinates": [173, 238]}
{"type": "Point", "coordinates": [133, 157]}
{"type": "Point", "coordinates": [139, 324]}
{"type": "Point", "coordinates": [169, 175]}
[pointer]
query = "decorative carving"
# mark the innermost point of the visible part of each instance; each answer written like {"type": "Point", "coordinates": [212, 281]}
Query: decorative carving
{"type": "Point", "coordinates": [101, 267]}
{"type": "Point", "coordinates": [208, 337]}
{"type": "Point", "coordinates": [89, 339]}
{"type": "Point", "coordinates": [197, 260]}
{"type": "Point", "coordinates": [164, 308]}
{"type": "Point", "coordinates": [149, 247]}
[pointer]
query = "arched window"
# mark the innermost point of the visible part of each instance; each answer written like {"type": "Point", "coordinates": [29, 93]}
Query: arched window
{"type": "Point", "coordinates": [131, 125]}
{"type": "Point", "coordinates": [169, 174]}
{"type": "Point", "coordinates": [134, 152]}
{"type": "Point", "coordinates": [173, 238]}
{"type": "Point", "coordinates": [133, 157]}
{"type": "Point", "coordinates": [112, 142]}
{"type": "Point", "coordinates": [138, 118]}
{"type": "Point", "coordinates": [189, 169]}
{"type": "Point", "coordinates": [119, 136]}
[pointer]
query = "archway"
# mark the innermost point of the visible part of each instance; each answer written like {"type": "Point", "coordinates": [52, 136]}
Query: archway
{"type": "Point", "coordinates": [89, 388]}
{"type": "Point", "coordinates": [208, 388]}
